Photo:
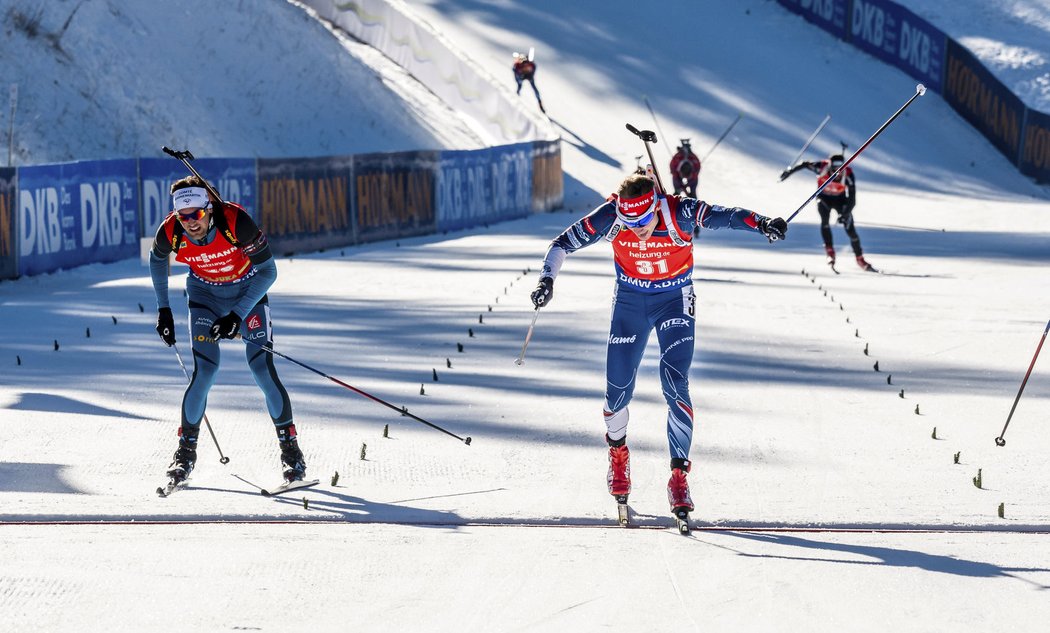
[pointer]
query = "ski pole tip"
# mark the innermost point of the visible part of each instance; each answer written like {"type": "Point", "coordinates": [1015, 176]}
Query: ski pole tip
{"type": "Point", "coordinates": [224, 460]}
{"type": "Point", "coordinates": [920, 89]}
{"type": "Point", "coordinates": [467, 441]}
{"type": "Point", "coordinates": [1000, 441]}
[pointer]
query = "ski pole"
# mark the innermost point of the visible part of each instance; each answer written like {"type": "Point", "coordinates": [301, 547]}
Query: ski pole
{"type": "Point", "coordinates": [185, 156]}
{"type": "Point", "coordinates": [355, 389]}
{"type": "Point", "coordinates": [812, 136]}
{"type": "Point", "coordinates": [647, 136]}
{"type": "Point", "coordinates": [999, 441]}
{"type": "Point", "coordinates": [666, 147]}
{"type": "Point", "coordinates": [528, 337]}
{"type": "Point", "coordinates": [222, 458]}
{"type": "Point", "coordinates": [724, 134]}
{"type": "Point", "coordinates": [919, 91]}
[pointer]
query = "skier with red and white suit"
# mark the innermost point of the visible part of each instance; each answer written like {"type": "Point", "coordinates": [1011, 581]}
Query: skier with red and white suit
{"type": "Point", "coordinates": [651, 236]}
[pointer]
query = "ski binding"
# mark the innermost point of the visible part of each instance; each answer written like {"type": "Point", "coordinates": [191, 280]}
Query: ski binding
{"type": "Point", "coordinates": [681, 516]}
{"type": "Point", "coordinates": [288, 486]}
{"type": "Point", "coordinates": [622, 510]}
{"type": "Point", "coordinates": [172, 486]}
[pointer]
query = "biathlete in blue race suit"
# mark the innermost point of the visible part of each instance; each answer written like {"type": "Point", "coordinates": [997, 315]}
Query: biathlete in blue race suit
{"type": "Point", "coordinates": [231, 268]}
{"type": "Point", "coordinates": [651, 236]}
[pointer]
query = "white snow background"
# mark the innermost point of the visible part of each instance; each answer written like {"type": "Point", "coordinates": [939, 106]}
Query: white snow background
{"type": "Point", "coordinates": [851, 515]}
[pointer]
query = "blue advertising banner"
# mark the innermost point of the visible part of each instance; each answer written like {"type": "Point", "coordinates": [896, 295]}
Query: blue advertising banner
{"type": "Point", "coordinates": [304, 203]}
{"type": "Point", "coordinates": [8, 250]}
{"type": "Point", "coordinates": [897, 36]}
{"type": "Point", "coordinates": [394, 194]}
{"type": "Point", "coordinates": [77, 213]}
{"type": "Point", "coordinates": [479, 186]}
{"type": "Point", "coordinates": [829, 15]}
{"type": "Point", "coordinates": [1035, 156]}
{"type": "Point", "coordinates": [233, 177]}
{"type": "Point", "coordinates": [983, 100]}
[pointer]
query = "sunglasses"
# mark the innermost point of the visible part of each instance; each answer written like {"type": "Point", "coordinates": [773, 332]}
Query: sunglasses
{"type": "Point", "coordinates": [192, 215]}
{"type": "Point", "coordinates": [641, 220]}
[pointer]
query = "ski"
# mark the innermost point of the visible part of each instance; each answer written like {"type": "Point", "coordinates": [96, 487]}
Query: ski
{"type": "Point", "coordinates": [623, 510]}
{"type": "Point", "coordinates": [288, 486]}
{"type": "Point", "coordinates": [681, 516]}
{"type": "Point", "coordinates": [172, 486]}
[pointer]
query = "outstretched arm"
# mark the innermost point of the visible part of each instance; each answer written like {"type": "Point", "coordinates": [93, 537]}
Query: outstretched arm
{"type": "Point", "coordinates": [581, 234]}
{"type": "Point", "coordinates": [803, 165]}
{"type": "Point", "coordinates": [718, 217]}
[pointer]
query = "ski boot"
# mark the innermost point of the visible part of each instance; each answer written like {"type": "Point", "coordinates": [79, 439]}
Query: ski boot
{"type": "Point", "coordinates": [291, 456]}
{"type": "Point", "coordinates": [678, 493]}
{"type": "Point", "coordinates": [619, 477]}
{"type": "Point", "coordinates": [185, 457]}
{"type": "Point", "coordinates": [863, 263]}
{"type": "Point", "coordinates": [830, 251]}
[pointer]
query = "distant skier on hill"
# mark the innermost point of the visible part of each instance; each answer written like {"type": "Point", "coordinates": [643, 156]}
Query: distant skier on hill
{"type": "Point", "coordinates": [651, 236]}
{"type": "Point", "coordinates": [525, 70]}
{"type": "Point", "coordinates": [685, 169]}
{"type": "Point", "coordinates": [840, 195]}
{"type": "Point", "coordinates": [231, 269]}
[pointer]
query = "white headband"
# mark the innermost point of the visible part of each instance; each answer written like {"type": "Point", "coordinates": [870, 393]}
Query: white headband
{"type": "Point", "coordinates": [190, 198]}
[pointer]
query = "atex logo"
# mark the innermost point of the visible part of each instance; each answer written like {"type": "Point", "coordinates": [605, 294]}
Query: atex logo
{"type": "Point", "coordinates": [255, 322]}
{"type": "Point", "coordinates": [617, 340]}
{"type": "Point", "coordinates": [670, 323]}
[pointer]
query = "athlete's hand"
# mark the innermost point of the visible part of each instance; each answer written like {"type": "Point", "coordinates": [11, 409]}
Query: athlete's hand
{"type": "Point", "coordinates": [773, 228]}
{"type": "Point", "coordinates": [544, 292]}
{"type": "Point", "coordinates": [166, 326]}
{"type": "Point", "coordinates": [226, 327]}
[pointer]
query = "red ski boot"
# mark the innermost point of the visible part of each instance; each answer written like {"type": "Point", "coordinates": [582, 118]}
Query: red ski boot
{"type": "Point", "coordinates": [863, 263]}
{"type": "Point", "coordinates": [678, 487]}
{"type": "Point", "coordinates": [619, 477]}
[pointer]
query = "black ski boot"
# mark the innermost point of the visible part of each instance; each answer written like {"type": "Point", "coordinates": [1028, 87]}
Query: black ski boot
{"type": "Point", "coordinates": [291, 456]}
{"type": "Point", "coordinates": [185, 457]}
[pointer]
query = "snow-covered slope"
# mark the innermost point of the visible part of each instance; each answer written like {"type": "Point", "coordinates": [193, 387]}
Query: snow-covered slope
{"type": "Point", "coordinates": [795, 428]}
{"type": "Point", "coordinates": [108, 79]}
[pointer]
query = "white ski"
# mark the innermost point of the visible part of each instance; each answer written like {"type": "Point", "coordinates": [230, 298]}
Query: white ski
{"type": "Point", "coordinates": [288, 486]}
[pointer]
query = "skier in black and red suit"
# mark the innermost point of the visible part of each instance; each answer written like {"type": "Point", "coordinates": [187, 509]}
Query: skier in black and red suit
{"type": "Point", "coordinates": [685, 170]}
{"type": "Point", "coordinates": [840, 195]}
{"type": "Point", "coordinates": [525, 70]}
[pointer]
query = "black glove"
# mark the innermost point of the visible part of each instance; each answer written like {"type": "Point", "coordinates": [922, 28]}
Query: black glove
{"type": "Point", "coordinates": [773, 228]}
{"type": "Point", "coordinates": [784, 174]}
{"type": "Point", "coordinates": [226, 327]}
{"type": "Point", "coordinates": [544, 292]}
{"type": "Point", "coordinates": [166, 326]}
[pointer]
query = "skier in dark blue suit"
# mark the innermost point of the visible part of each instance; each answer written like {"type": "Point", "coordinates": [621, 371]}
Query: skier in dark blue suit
{"type": "Point", "coordinates": [651, 236]}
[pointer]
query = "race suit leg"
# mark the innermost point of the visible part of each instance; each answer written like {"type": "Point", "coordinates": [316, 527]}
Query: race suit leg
{"type": "Point", "coordinates": [825, 229]}
{"type": "Point", "coordinates": [673, 314]}
{"type": "Point", "coordinates": [205, 351]}
{"type": "Point", "coordinates": [256, 327]}
{"type": "Point", "coordinates": [851, 229]}
{"type": "Point", "coordinates": [628, 334]}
